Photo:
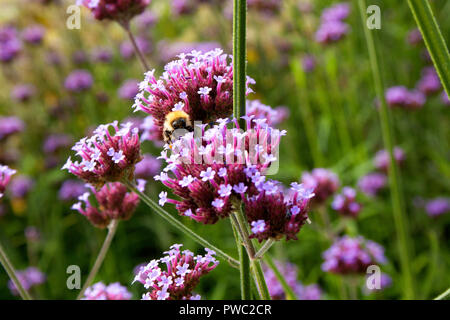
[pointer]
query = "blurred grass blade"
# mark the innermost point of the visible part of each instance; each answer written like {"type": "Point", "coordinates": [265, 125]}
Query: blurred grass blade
{"type": "Point", "coordinates": [401, 223]}
{"type": "Point", "coordinates": [443, 295]}
{"type": "Point", "coordinates": [433, 38]}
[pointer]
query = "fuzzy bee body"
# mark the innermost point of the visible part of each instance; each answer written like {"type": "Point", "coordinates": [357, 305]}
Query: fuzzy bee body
{"type": "Point", "coordinates": [176, 120]}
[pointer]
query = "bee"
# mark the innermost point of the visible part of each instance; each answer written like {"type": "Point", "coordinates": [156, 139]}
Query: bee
{"type": "Point", "coordinates": [176, 120]}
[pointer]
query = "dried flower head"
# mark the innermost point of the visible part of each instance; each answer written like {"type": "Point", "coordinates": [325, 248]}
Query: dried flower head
{"type": "Point", "coordinates": [107, 157]}
{"type": "Point", "coordinates": [113, 291]}
{"type": "Point", "coordinates": [200, 84]}
{"type": "Point", "coordinates": [182, 274]}
{"type": "Point", "coordinates": [352, 255]}
{"type": "Point", "coordinates": [113, 202]}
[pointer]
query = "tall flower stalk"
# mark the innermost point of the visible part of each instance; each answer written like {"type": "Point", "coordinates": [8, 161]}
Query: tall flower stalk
{"type": "Point", "coordinates": [139, 54]}
{"type": "Point", "coordinates": [400, 220]}
{"type": "Point", "coordinates": [13, 275]}
{"type": "Point", "coordinates": [112, 228]}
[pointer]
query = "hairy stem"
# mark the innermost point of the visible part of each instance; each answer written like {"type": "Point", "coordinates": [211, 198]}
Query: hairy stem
{"type": "Point", "coordinates": [239, 59]}
{"type": "Point", "coordinates": [112, 228]}
{"type": "Point", "coordinates": [12, 274]}
{"type": "Point", "coordinates": [244, 269]}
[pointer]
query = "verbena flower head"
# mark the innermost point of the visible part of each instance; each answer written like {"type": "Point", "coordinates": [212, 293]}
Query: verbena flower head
{"type": "Point", "coordinates": [437, 207]}
{"type": "Point", "coordinates": [28, 278]}
{"type": "Point", "coordinates": [381, 160]}
{"type": "Point", "coordinates": [175, 276]}
{"type": "Point", "coordinates": [401, 97]}
{"type": "Point", "coordinates": [118, 10]}
{"type": "Point", "coordinates": [371, 183]}
{"type": "Point", "coordinates": [78, 81]}
{"type": "Point", "coordinates": [200, 84]}
{"type": "Point", "coordinates": [105, 156]}
{"type": "Point", "coordinates": [331, 31]}
{"type": "Point", "coordinates": [71, 190]}
{"type": "Point", "coordinates": [324, 183]}
{"type": "Point", "coordinates": [34, 34]}
{"type": "Point", "coordinates": [261, 111]}
{"type": "Point", "coordinates": [208, 171]}
{"type": "Point", "coordinates": [10, 126]}
{"type": "Point", "coordinates": [10, 44]}
{"type": "Point", "coordinates": [112, 202]}
{"type": "Point", "coordinates": [290, 274]}
{"type": "Point", "coordinates": [5, 177]}
{"type": "Point", "coordinates": [337, 12]}
{"type": "Point", "coordinates": [429, 83]}
{"type": "Point", "coordinates": [113, 291]}
{"type": "Point", "coordinates": [345, 203]}
{"type": "Point", "coordinates": [352, 255]}
{"type": "Point", "coordinates": [23, 92]}
{"type": "Point", "coordinates": [20, 186]}
{"type": "Point", "coordinates": [168, 50]}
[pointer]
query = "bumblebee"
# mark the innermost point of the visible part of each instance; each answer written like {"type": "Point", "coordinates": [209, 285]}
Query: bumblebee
{"type": "Point", "coordinates": [176, 120]}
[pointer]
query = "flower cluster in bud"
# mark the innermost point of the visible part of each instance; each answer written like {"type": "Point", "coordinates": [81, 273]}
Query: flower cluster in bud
{"type": "Point", "coordinates": [345, 203]}
{"type": "Point", "coordinates": [5, 177]}
{"type": "Point", "coordinates": [113, 291]}
{"type": "Point", "coordinates": [401, 97]}
{"type": "Point", "coordinates": [324, 183]}
{"type": "Point", "coordinates": [381, 160]}
{"type": "Point", "coordinates": [332, 28]}
{"type": "Point", "coordinates": [107, 157]}
{"type": "Point", "coordinates": [200, 84]}
{"type": "Point", "coordinates": [371, 183]}
{"type": "Point", "coordinates": [182, 274]}
{"type": "Point", "coordinates": [113, 203]}
{"type": "Point", "coordinates": [28, 278]}
{"type": "Point", "coordinates": [217, 166]}
{"type": "Point", "coordinates": [118, 10]}
{"type": "Point", "coordinates": [352, 255]}
{"type": "Point", "coordinates": [290, 274]}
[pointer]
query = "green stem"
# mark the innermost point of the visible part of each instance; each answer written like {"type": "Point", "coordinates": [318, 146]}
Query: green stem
{"type": "Point", "coordinates": [259, 278]}
{"type": "Point", "coordinates": [177, 224]}
{"type": "Point", "coordinates": [266, 246]}
{"type": "Point", "coordinates": [443, 295]}
{"type": "Point", "coordinates": [401, 227]}
{"type": "Point", "coordinates": [239, 59]}
{"type": "Point", "coordinates": [244, 265]}
{"type": "Point", "coordinates": [433, 38]}
{"type": "Point", "coordinates": [139, 54]}
{"type": "Point", "coordinates": [290, 294]}
{"type": "Point", "coordinates": [12, 274]}
{"type": "Point", "coordinates": [112, 228]}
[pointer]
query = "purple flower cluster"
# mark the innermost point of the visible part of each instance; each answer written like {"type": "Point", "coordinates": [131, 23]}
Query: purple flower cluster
{"type": "Point", "coordinates": [429, 83]}
{"type": "Point", "coordinates": [28, 278]}
{"type": "Point", "coordinates": [381, 160]}
{"type": "Point", "coordinates": [71, 190]}
{"type": "Point", "coordinates": [33, 34]}
{"type": "Point", "coordinates": [290, 274]}
{"type": "Point", "coordinates": [126, 48]}
{"type": "Point", "coordinates": [20, 186]}
{"type": "Point", "coordinates": [437, 207]}
{"type": "Point", "coordinates": [129, 89]}
{"type": "Point", "coordinates": [182, 274]}
{"type": "Point", "coordinates": [352, 255]}
{"type": "Point", "coordinates": [261, 111]}
{"type": "Point", "coordinates": [114, 203]}
{"type": "Point", "coordinates": [169, 50]}
{"type": "Point", "coordinates": [103, 55]}
{"type": "Point", "coordinates": [23, 92]}
{"type": "Point", "coordinates": [5, 177]}
{"type": "Point", "coordinates": [401, 97]}
{"type": "Point", "coordinates": [332, 28]}
{"type": "Point", "coordinates": [199, 84]}
{"type": "Point", "coordinates": [106, 157]}
{"type": "Point", "coordinates": [10, 44]}
{"type": "Point", "coordinates": [414, 37]}
{"type": "Point", "coordinates": [150, 131]}
{"type": "Point", "coordinates": [119, 10]}
{"type": "Point", "coordinates": [55, 142]}
{"type": "Point", "coordinates": [324, 183]}
{"type": "Point", "coordinates": [9, 126]}
{"type": "Point", "coordinates": [371, 183]}
{"type": "Point", "coordinates": [345, 203]}
{"type": "Point", "coordinates": [148, 167]}
{"type": "Point", "coordinates": [113, 291]}
{"type": "Point", "coordinates": [79, 81]}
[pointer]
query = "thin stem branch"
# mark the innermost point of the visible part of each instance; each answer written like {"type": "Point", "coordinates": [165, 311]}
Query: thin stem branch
{"type": "Point", "coordinates": [266, 246]}
{"type": "Point", "coordinates": [112, 228]}
{"type": "Point", "coordinates": [400, 221]}
{"type": "Point", "coordinates": [239, 59]}
{"type": "Point", "coordinates": [139, 54]}
{"type": "Point", "coordinates": [244, 269]}
{"type": "Point", "coordinates": [286, 287]}
{"type": "Point", "coordinates": [12, 274]}
{"type": "Point", "coordinates": [239, 216]}
{"type": "Point", "coordinates": [177, 224]}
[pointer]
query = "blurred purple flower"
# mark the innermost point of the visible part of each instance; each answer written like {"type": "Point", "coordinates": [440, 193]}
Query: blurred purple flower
{"type": "Point", "coordinates": [400, 96]}
{"type": "Point", "coordinates": [381, 160]}
{"type": "Point", "coordinates": [371, 183]}
{"type": "Point", "coordinates": [20, 186]}
{"type": "Point", "coordinates": [10, 44]}
{"type": "Point", "coordinates": [129, 89]}
{"type": "Point", "coordinates": [437, 206]}
{"type": "Point", "coordinates": [78, 81]}
{"type": "Point", "coordinates": [5, 177]}
{"type": "Point", "coordinates": [54, 142]}
{"type": "Point", "coordinates": [444, 98]}
{"type": "Point", "coordinates": [23, 92]}
{"type": "Point", "coordinates": [34, 34]}
{"type": "Point", "coordinates": [429, 83]}
{"type": "Point", "coordinates": [308, 63]}
{"type": "Point", "coordinates": [324, 183]}
{"type": "Point", "coordinates": [148, 167]}
{"type": "Point", "coordinates": [331, 31]}
{"type": "Point", "coordinates": [127, 50]}
{"type": "Point", "coordinates": [337, 12]}
{"type": "Point", "coordinates": [71, 190]}
{"type": "Point", "coordinates": [414, 37]}
{"type": "Point", "coordinates": [29, 278]}
{"type": "Point", "coordinates": [103, 55]}
{"type": "Point", "coordinates": [32, 234]}
{"type": "Point", "coordinates": [9, 126]}
{"type": "Point", "coordinates": [345, 203]}
{"type": "Point", "coordinates": [79, 57]}
{"type": "Point", "coordinates": [113, 291]}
